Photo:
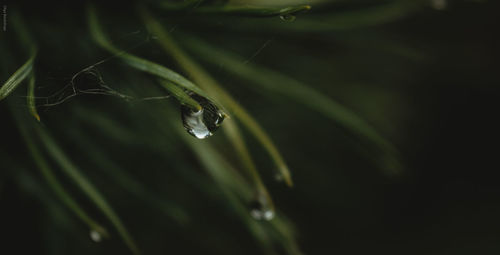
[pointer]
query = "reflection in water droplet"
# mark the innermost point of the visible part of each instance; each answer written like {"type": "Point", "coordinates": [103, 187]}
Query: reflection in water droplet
{"type": "Point", "coordinates": [203, 123]}
{"type": "Point", "coordinates": [288, 17]}
{"type": "Point", "coordinates": [261, 210]}
{"type": "Point", "coordinates": [95, 236]}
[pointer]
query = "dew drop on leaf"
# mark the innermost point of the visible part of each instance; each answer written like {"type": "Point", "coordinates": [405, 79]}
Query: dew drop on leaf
{"type": "Point", "coordinates": [287, 17]}
{"type": "Point", "coordinates": [95, 236]}
{"type": "Point", "coordinates": [278, 177]}
{"type": "Point", "coordinates": [203, 123]}
{"type": "Point", "coordinates": [260, 210]}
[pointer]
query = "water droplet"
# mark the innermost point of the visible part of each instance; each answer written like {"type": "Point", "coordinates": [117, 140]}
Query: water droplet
{"type": "Point", "coordinates": [95, 236]}
{"type": "Point", "coordinates": [261, 210]}
{"type": "Point", "coordinates": [203, 123]}
{"type": "Point", "coordinates": [279, 177]}
{"type": "Point", "coordinates": [288, 17]}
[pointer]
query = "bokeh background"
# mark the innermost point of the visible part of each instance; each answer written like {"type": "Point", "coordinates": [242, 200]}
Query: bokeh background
{"type": "Point", "coordinates": [423, 74]}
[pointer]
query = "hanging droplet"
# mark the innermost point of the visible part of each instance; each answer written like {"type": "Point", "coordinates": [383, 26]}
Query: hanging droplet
{"type": "Point", "coordinates": [95, 236]}
{"type": "Point", "coordinates": [261, 210]}
{"type": "Point", "coordinates": [203, 123]}
{"type": "Point", "coordinates": [287, 17]}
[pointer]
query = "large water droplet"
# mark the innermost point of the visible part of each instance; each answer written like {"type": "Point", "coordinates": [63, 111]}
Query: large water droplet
{"type": "Point", "coordinates": [288, 17]}
{"type": "Point", "coordinates": [95, 236]}
{"type": "Point", "coordinates": [203, 123]}
{"type": "Point", "coordinates": [261, 210]}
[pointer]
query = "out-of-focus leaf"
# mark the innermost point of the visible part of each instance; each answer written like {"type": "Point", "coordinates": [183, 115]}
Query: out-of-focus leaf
{"type": "Point", "coordinates": [17, 78]}
{"type": "Point", "coordinates": [137, 62]}
{"type": "Point", "coordinates": [56, 186]}
{"type": "Point", "coordinates": [283, 84]}
{"type": "Point", "coordinates": [253, 11]}
{"type": "Point", "coordinates": [86, 186]}
{"type": "Point", "coordinates": [180, 94]}
{"type": "Point", "coordinates": [31, 97]}
{"type": "Point", "coordinates": [217, 93]}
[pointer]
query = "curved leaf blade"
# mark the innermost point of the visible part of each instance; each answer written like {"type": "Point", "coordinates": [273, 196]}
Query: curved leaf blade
{"type": "Point", "coordinates": [17, 78]}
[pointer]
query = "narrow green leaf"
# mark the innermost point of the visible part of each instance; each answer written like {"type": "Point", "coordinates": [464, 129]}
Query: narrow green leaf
{"type": "Point", "coordinates": [236, 138]}
{"type": "Point", "coordinates": [283, 84]}
{"type": "Point", "coordinates": [88, 188]}
{"type": "Point", "coordinates": [253, 11]}
{"type": "Point", "coordinates": [233, 188]}
{"type": "Point", "coordinates": [216, 91]}
{"type": "Point", "coordinates": [31, 97]}
{"type": "Point", "coordinates": [195, 6]}
{"type": "Point", "coordinates": [374, 15]}
{"type": "Point", "coordinates": [137, 62]}
{"type": "Point", "coordinates": [180, 5]}
{"type": "Point", "coordinates": [180, 94]}
{"type": "Point", "coordinates": [109, 167]}
{"type": "Point", "coordinates": [17, 78]}
{"type": "Point", "coordinates": [57, 187]}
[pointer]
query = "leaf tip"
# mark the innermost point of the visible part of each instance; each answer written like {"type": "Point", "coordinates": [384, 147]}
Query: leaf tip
{"type": "Point", "coordinates": [36, 116]}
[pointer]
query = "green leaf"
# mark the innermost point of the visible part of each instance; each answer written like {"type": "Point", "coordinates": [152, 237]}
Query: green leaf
{"type": "Point", "coordinates": [17, 78]}
{"type": "Point", "coordinates": [180, 95]}
{"type": "Point", "coordinates": [31, 97]}
{"type": "Point", "coordinates": [276, 82]}
{"type": "Point", "coordinates": [57, 187]}
{"type": "Point", "coordinates": [371, 16]}
{"type": "Point", "coordinates": [217, 92]}
{"type": "Point", "coordinates": [195, 6]}
{"type": "Point", "coordinates": [137, 62]}
{"type": "Point", "coordinates": [88, 188]}
{"type": "Point", "coordinates": [253, 11]}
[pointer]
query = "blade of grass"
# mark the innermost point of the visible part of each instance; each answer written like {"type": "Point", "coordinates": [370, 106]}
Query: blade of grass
{"type": "Point", "coordinates": [180, 94]}
{"type": "Point", "coordinates": [194, 6]}
{"type": "Point", "coordinates": [75, 174]}
{"type": "Point", "coordinates": [17, 78]}
{"type": "Point", "coordinates": [29, 45]}
{"type": "Point", "coordinates": [374, 15]}
{"type": "Point", "coordinates": [220, 170]}
{"type": "Point", "coordinates": [179, 6]}
{"type": "Point", "coordinates": [110, 168]}
{"type": "Point", "coordinates": [217, 92]}
{"type": "Point", "coordinates": [236, 138]}
{"type": "Point", "coordinates": [253, 11]}
{"type": "Point", "coordinates": [56, 186]}
{"type": "Point", "coordinates": [31, 97]}
{"type": "Point", "coordinates": [283, 84]}
{"type": "Point", "coordinates": [230, 186]}
{"type": "Point", "coordinates": [144, 65]}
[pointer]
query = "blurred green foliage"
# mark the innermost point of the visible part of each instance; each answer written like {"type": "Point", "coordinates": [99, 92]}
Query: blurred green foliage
{"type": "Point", "coordinates": [330, 129]}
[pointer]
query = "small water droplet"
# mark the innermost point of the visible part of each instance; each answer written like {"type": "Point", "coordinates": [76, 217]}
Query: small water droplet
{"type": "Point", "coordinates": [203, 123]}
{"type": "Point", "coordinates": [288, 17]}
{"type": "Point", "coordinates": [260, 209]}
{"type": "Point", "coordinates": [279, 177]}
{"type": "Point", "coordinates": [95, 236]}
